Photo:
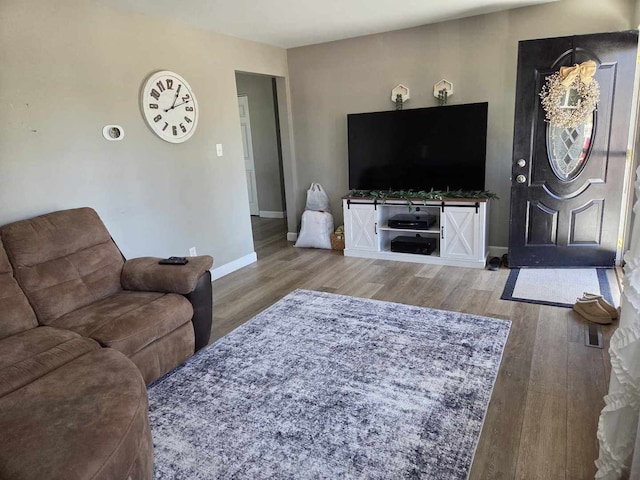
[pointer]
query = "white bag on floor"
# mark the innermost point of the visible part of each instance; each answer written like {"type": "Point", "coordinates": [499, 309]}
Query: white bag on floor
{"type": "Point", "coordinates": [316, 230]}
{"type": "Point", "coordinates": [317, 199]}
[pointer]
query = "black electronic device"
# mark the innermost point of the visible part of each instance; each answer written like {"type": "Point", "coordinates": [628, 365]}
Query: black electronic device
{"type": "Point", "coordinates": [174, 261]}
{"type": "Point", "coordinates": [421, 245]}
{"type": "Point", "coordinates": [413, 221]}
{"type": "Point", "coordinates": [436, 148]}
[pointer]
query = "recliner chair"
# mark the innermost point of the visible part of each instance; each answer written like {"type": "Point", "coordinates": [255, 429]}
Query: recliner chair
{"type": "Point", "coordinates": [76, 279]}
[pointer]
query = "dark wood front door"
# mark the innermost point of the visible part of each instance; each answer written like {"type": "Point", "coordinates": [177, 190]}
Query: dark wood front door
{"type": "Point", "coordinates": [567, 184]}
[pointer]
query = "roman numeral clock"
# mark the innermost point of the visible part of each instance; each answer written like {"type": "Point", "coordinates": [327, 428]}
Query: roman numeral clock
{"type": "Point", "coordinates": [169, 106]}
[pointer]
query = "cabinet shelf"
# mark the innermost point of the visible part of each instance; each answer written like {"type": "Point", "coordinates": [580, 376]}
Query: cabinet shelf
{"type": "Point", "coordinates": [434, 254]}
{"type": "Point", "coordinates": [386, 228]}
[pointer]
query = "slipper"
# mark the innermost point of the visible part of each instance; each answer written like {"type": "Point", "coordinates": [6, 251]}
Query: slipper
{"type": "Point", "coordinates": [610, 309]}
{"type": "Point", "coordinates": [494, 264]}
{"type": "Point", "coordinates": [505, 260]}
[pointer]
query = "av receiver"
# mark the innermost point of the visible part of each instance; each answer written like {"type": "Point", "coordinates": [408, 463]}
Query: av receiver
{"type": "Point", "coordinates": [413, 221]}
{"type": "Point", "coordinates": [420, 244]}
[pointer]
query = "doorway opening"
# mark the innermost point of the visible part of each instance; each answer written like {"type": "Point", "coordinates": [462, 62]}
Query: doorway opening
{"type": "Point", "coordinates": [258, 107]}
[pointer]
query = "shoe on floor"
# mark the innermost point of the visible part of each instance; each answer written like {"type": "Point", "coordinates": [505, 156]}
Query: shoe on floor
{"type": "Point", "coordinates": [610, 309]}
{"type": "Point", "coordinates": [494, 264]}
{"type": "Point", "coordinates": [505, 260]}
{"type": "Point", "coordinates": [592, 311]}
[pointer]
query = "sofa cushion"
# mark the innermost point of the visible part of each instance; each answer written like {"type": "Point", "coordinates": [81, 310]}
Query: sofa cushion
{"type": "Point", "coordinates": [129, 321]}
{"type": "Point", "coordinates": [63, 261]}
{"type": "Point", "coordinates": [16, 314]}
{"type": "Point", "coordinates": [31, 354]}
{"type": "Point", "coordinates": [86, 419]}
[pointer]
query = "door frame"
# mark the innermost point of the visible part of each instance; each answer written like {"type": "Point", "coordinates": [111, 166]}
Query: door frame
{"type": "Point", "coordinates": [282, 95]}
{"type": "Point", "coordinates": [631, 164]}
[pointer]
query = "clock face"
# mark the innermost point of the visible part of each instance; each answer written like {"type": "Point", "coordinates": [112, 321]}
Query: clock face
{"type": "Point", "coordinates": [169, 106]}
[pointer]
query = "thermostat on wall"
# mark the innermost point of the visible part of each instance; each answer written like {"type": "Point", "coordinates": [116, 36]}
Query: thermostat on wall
{"type": "Point", "coordinates": [113, 132]}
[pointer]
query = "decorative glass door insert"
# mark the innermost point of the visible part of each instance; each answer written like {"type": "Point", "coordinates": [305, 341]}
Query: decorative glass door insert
{"type": "Point", "coordinates": [568, 148]}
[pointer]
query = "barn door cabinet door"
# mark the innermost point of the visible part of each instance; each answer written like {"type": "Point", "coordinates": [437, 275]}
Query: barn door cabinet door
{"type": "Point", "coordinates": [567, 183]}
{"type": "Point", "coordinates": [362, 233]}
{"type": "Point", "coordinates": [461, 233]}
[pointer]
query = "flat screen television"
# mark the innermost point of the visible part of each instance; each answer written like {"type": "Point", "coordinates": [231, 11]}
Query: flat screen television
{"type": "Point", "coordinates": [436, 148]}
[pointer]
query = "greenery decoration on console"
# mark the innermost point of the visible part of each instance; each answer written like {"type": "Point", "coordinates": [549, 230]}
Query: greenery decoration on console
{"type": "Point", "coordinates": [412, 196]}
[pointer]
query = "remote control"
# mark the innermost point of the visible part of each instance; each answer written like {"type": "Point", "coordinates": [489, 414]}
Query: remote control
{"type": "Point", "coordinates": [174, 261]}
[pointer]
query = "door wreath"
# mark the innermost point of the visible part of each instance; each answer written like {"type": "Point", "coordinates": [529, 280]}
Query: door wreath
{"type": "Point", "coordinates": [571, 95]}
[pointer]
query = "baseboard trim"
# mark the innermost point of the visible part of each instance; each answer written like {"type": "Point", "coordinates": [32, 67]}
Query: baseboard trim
{"type": "Point", "coordinates": [497, 251]}
{"type": "Point", "coordinates": [232, 266]}
{"type": "Point", "coordinates": [292, 236]}
{"type": "Point", "coordinates": [271, 214]}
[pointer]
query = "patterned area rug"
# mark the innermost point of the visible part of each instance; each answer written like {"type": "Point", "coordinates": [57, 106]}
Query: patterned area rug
{"type": "Point", "coordinates": [323, 386]}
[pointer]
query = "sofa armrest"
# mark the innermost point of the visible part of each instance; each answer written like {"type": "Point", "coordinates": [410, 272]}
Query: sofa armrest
{"type": "Point", "coordinates": [202, 301]}
{"type": "Point", "coordinates": [146, 275]}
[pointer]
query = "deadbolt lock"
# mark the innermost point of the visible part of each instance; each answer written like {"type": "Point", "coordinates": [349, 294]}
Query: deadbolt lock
{"type": "Point", "coordinates": [521, 179]}
{"type": "Point", "coordinates": [522, 162]}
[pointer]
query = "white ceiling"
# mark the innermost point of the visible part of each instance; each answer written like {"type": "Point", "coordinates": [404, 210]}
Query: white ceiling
{"type": "Point", "coordinates": [293, 23]}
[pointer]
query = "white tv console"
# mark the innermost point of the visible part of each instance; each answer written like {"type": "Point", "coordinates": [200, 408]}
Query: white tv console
{"type": "Point", "coordinates": [460, 229]}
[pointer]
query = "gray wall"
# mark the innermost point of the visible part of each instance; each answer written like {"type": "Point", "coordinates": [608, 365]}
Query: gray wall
{"type": "Point", "coordinates": [70, 67]}
{"type": "Point", "coordinates": [259, 90]}
{"type": "Point", "coordinates": [477, 54]}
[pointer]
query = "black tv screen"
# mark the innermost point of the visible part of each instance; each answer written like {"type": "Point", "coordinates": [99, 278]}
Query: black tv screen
{"type": "Point", "coordinates": [436, 148]}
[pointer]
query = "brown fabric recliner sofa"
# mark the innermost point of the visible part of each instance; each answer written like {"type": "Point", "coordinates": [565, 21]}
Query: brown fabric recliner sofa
{"type": "Point", "coordinates": [81, 333]}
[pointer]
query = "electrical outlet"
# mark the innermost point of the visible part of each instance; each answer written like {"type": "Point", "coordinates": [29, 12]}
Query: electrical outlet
{"type": "Point", "coordinates": [219, 149]}
{"type": "Point", "coordinates": [192, 252]}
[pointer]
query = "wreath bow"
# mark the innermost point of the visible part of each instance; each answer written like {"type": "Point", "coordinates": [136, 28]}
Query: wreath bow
{"type": "Point", "coordinates": [585, 71]}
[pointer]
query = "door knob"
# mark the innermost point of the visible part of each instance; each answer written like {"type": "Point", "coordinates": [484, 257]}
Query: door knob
{"type": "Point", "coordinates": [522, 162]}
{"type": "Point", "coordinates": [521, 179]}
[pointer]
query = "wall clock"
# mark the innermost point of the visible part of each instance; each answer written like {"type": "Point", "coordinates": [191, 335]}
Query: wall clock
{"type": "Point", "coordinates": [169, 106]}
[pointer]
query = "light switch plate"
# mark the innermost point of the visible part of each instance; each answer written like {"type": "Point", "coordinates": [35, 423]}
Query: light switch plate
{"type": "Point", "coordinates": [219, 149]}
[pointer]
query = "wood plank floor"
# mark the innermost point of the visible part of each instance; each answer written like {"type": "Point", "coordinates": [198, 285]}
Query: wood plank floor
{"type": "Point", "coordinates": [542, 419]}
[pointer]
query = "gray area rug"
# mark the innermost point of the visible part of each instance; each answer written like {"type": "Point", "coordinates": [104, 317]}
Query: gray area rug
{"type": "Point", "coordinates": [323, 386]}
